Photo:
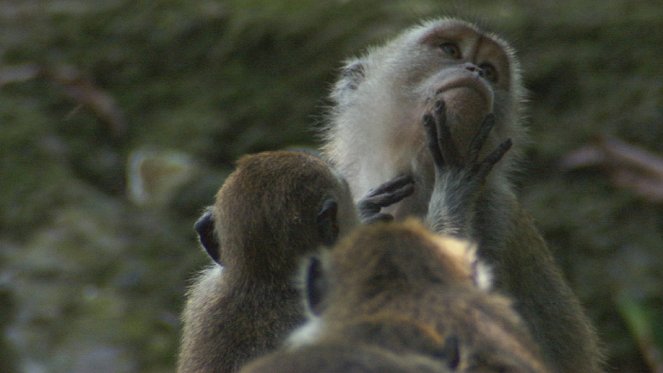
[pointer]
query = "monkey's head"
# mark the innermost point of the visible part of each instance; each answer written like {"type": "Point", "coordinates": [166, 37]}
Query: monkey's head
{"type": "Point", "coordinates": [378, 263]}
{"type": "Point", "coordinates": [408, 287]}
{"type": "Point", "coordinates": [273, 209]}
{"type": "Point", "coordinates": [380, 98]}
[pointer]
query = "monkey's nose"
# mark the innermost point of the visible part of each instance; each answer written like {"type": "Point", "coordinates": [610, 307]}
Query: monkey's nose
{"type": "Point", "coordinates": [473, 68]}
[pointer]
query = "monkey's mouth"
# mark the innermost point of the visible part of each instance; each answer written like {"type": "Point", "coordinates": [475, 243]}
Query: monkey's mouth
{"type": "Point", "coordinates": [471, 83]}
{"type": "Point", "coordinates": [468, 99]}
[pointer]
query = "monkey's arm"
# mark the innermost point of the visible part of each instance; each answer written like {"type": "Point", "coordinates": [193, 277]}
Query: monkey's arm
{"type": "Point", "coordinates": [458, 179]}
{"type": "Point", "coordinates": [385, 195]}
{"type": "Point", "coordinates": [527, 271]}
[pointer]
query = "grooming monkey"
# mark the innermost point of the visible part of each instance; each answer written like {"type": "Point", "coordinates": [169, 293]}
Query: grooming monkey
{"type": "Point", "coordinates": [272, 211]}
{"type": "Point", "coordinates": [471, 80]}
{"type": "Point", "coordinates": [395, 297]}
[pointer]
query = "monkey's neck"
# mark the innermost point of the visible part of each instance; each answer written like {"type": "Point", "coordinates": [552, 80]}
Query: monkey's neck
{"type": "Point", "coordinates": [263, 265]}
{"type": "Point", "coordinates": [263, 283]}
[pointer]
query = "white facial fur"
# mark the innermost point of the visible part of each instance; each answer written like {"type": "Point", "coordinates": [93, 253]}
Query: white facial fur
{"type": "Point", "coordinates": [375, 131]}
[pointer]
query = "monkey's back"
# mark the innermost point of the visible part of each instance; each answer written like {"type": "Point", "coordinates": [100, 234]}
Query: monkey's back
{"type": "Point", "coordinates": [342, 357]}
{"type": "Point", "coordinates": [228, 326]}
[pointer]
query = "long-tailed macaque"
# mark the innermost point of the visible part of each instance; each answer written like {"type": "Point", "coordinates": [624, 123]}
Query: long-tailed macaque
{"type": "Point", "coordinates": [272, 211]}
{"type": "Point", "coordinates": [393, 297]}
{"type": "Point", "coordinates": [469, 77]}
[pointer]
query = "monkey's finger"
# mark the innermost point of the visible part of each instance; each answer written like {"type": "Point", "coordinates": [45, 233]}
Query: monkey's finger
{"type": "Point", "coordinates": [480, 138]}
{"type": "Point", "coordinates": [445, 141]}
{"type": "Point", "coordinates": [431, 140]}
{"type": "Point", "coordinates": [391, 185]}
{"type": "Point", "coordinates": [493, 158]}
{"type": "Point", "coordinates": [372, 205]}
{"type": "Point", "coordinates": [385, 195]}
{"type": "Point", "coordinates": [387, 199]}
{"type": "Point", "coordinates": [367, 207]}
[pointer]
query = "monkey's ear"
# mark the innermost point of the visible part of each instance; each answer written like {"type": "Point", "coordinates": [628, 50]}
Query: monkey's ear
{"type": "Point", "coordinates": [327, 221]}
{"type": "Point", "coordinates": [451, 352]}
{"type": "Point", "coordinates": [353, 73]}
{"type": "Point", "coordinates": [205, 229]}
{"type": "Point", "coordinates": [315, 287]}
{"type": "Point", "coordinates": [351, 76]}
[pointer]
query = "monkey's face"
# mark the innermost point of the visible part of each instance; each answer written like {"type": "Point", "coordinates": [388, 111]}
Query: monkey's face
{"type": "Point", "coordinates": [467, 69]}
{"type": "Point", "coordinates": [381, 98]}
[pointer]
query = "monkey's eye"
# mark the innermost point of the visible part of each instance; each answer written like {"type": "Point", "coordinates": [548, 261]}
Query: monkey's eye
{"type": "Point", "coordinates": [451, 50]}
{"type": "Point", "coordinates": [489, 72]}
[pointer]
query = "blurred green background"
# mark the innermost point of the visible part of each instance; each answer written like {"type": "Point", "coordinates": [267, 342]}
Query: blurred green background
{"type": "Point", "coordinates": [94, 261]}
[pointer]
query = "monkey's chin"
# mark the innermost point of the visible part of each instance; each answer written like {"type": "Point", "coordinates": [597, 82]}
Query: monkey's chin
{"type": "Point", "coordinates": [466, 110]}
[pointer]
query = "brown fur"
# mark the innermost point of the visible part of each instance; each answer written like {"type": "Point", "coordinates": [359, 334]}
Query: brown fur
{"type": "Point", "coordinates": [404, 300]}
{"type": "Point", "coordinates": [271, 212]}
{"type": "Point", "coordinates": [265, 216]}
{"type": "Point", "coordinates": [375, 132]}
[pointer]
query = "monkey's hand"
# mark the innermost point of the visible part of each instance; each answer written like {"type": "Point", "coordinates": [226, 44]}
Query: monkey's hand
{"type": "Point", "coordinates": [385, 195]}
{"type": "Point", "coordinates": [458, 178]}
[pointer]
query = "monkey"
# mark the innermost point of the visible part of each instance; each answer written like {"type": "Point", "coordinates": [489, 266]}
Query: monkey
{"type": "Point", "coordinates": [395, 297]}
{"type": "Point", "coordinates": [374, 131]}
{"type": "Point", "coordinates": [272, 210]}
{"type": "Point", "coordinates": [342, 357]}
{"type": "Point", "coordinates": [404, 300]}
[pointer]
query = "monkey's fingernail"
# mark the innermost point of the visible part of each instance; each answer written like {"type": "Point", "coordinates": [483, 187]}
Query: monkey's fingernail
{"type": "Point", "coordinates": [489, 120]}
